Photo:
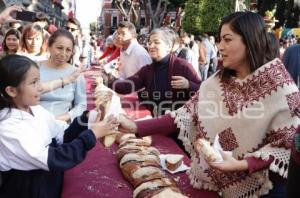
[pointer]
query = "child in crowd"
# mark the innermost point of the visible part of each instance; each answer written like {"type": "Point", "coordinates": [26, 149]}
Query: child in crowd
{"type": "Point", "coordinates": [35, 148]}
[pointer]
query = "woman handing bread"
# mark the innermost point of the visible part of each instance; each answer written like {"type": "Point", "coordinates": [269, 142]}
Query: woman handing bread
{"type": "Point", "coordinates": [249, 106]}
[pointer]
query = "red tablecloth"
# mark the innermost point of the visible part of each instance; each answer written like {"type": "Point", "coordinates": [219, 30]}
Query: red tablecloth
{"type": "Point", "coordinates": [98, 176]}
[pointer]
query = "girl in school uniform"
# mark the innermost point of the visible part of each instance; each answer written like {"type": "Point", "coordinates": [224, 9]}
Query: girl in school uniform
{"type": "Point", "coordinates": [35, 149]}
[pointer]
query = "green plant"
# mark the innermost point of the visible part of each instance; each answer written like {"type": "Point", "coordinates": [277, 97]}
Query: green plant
{"type": "Point", "coordinates": [204, 16]}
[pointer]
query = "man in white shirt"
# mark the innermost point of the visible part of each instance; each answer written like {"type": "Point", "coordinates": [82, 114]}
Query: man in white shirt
{"type": "Point", "coordinates": [133, 56]}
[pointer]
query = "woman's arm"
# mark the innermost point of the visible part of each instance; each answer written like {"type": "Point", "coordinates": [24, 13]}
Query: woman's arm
{"type": "Point", "coordinates": [115, 55]}
{"type": "Point", "coordinates": [163, 125]}
{"type": "Point", "coordinates": [61, 82]}
{"type": "Point", "coordinates": [80, 99]}
{"type": "Point", "coordinates": [64, 117]}
{"type": "Point", "coordinates": [107, 51]}
{"type": "Point", "coordinates": [131, 84]}
{"type": "Point", "coordinates": [250, 164]}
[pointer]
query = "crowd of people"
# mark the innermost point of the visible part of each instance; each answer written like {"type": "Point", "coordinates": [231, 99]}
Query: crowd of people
{"type": "Point", "coordinates": [239, 90]}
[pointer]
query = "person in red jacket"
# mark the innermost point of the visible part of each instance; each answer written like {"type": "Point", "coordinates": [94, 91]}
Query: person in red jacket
{"type": "Point", "coordinates": [109, 48]}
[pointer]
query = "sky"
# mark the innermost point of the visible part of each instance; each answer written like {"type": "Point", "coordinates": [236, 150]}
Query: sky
{"type": "Point", "coordinates": [87, 12]}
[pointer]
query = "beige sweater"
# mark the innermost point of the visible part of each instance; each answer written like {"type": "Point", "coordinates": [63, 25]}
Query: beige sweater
{"type": "Point", "coordinates": [252, 117]}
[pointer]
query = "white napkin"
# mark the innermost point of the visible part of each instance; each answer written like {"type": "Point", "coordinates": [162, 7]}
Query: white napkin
{"type": "Point", "coordinates": [217, 147]}
{"type": "Point", "coordinates": [109, 67]}
{"type": "Point", "coordinates": [181, 168]}
{"type": "Point", "coordinates": [115, 107]}
{"type": "Point", "coordinates": [92, 117]}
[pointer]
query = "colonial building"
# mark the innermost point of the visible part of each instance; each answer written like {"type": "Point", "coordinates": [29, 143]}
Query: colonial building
{"type": "Point", "coordinates": [111, 16]}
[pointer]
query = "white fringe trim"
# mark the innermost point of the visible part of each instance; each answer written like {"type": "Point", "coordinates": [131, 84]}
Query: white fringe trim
{"type": "Point", "coordinates": [200, 180]}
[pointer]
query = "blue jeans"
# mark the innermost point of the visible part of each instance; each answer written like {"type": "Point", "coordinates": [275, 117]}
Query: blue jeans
{"type": "Point", "coordinates": [204, 71]}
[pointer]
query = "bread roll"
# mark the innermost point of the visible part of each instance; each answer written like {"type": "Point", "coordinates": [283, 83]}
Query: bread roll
{"type": "Point", "coordinates": [136, 174]}
{"type": "Point", "coordinates": [145, 174]}
{"type": "Point", "coordinates": [209, 153]}
{"type": "Point", "coordinates": [121, 137]}
{"type": "Point", "coordinates": [109, 140]}
{"type": "Point", "coordinates": [148, 139]}
{"type": "Point", "coordinates": [152, 185]}
{"type": "Point", "coordinates": [136, 142]}
{"type": "Point", "coordinates": [137, 149]}
{"type": "Point", "coordinates": [126, 137]}
{"type": "Point", "coordinates": [173, 161]}
{"type": "Point", "coordinates": [170, 192]}
{"type": "Point", "coordinates": [140, 158]}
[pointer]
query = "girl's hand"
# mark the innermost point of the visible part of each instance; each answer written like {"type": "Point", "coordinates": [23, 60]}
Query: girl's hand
{"type": "Point", "coordinates": [126, 125]}
{"type": "Point", "coordinates": [179, 82]}
{"type": "Point", "coordinates": [229, 164]}
{"type": "Point", "coordinates": [106, 127]}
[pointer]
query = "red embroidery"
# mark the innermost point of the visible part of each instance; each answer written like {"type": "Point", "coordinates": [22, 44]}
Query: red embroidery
{"type": "Point", "coordinates": [279, 138]}
{"type": "Point", "coordinates": [201, 133]}
{"type": "Point", "coordinates": [293, 101]}
{"type": "Point", "coordinates": [190, 104]}
{"type": "Point", "coordinates": [228, 140]}
{"type": "Point", "coordinates": [237, 97]}
{"type": "Point", "coordinates": [224, 180]}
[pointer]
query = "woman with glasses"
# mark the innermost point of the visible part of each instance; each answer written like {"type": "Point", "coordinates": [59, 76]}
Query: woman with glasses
{"type": "Point", "coordinates": [168, 82]}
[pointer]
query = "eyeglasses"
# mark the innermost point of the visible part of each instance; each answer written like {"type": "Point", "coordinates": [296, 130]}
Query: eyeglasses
{"type": "Point", "coordinates": [71, 29]}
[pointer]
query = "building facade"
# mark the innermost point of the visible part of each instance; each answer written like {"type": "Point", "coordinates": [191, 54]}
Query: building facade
{"type": "Point", "coordinates": [111, 16]}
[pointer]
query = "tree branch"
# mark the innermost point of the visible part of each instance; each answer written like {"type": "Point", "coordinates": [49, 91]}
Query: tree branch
{"type": "Point", "coordinates": [120, 6]}
{"type": "Point", "coordinates": [163, 14]}
{"type": "Point", "coordinates": [158, 8]}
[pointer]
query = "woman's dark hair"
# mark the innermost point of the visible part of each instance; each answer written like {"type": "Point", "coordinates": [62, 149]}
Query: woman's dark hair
{"type": "Point", "coordinates": [14, 32]}
{"type": "Point", "coordinates": [251, 27]}
{"type": "Point", "coordinates": [273, 45]}
{"type": "Point", "coordinates": [13, 69]}
{"type": "Point", "coordinates": [75, 22]}
{"type": "Point", "coordinates": [62, 33]}
{"type": "Point", "coordinates": [41, 16]}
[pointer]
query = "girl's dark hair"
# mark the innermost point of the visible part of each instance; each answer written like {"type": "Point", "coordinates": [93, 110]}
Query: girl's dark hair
{"type": "Point", "coordinates": [14, 32]}
{"type": "Point", "coordinates": [62, 33]}
{"type": "Point", "coordinates": [13, 69]}
{"type": "Point", "coordinates": [251, 27]}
